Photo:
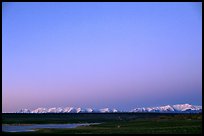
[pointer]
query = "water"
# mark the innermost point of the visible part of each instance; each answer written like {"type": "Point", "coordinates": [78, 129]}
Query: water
{"type": "Point", "coordinates": [34, 127]}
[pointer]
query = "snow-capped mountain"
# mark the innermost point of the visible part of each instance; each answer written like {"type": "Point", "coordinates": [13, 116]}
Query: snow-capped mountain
{"type": "Point", "coordinates": [105, 110]}
{"type": "Point", "coordinates": [68, 110]}
{"type": "Point", "coordinates": [115, 110]}
{"type": "Point", "coordinates": [179, 108]}
{"type": "Point", "coordinates": [89, 110]}
{"type": "Point", "coordinates": [184, 107]}
{"type": "Point", "coordinates": [40, 110]}
{"type": "Point", "coordinates": [55, 110]}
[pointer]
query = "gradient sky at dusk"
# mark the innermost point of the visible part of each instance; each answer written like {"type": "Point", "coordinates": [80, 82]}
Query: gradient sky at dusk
{"type": "Point", "coordinates": [116, 55]}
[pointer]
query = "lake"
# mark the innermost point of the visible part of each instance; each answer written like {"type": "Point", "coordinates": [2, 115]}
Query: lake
{"type": "Point", "coordinates": [34, 127]}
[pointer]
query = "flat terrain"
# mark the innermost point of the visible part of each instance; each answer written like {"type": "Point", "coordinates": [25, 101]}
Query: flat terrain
{"type": "Point", "coordinates": [112, 123]}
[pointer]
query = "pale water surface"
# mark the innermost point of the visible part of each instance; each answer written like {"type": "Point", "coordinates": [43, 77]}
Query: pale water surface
{"type": "Point", "coordinates": [34, 127]}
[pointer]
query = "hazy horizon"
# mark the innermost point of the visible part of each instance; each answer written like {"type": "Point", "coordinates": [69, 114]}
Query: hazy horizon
{"type": "Point", "coordinates": [84, 108]}
{"type": "Point", "coordinates": [115, 55]}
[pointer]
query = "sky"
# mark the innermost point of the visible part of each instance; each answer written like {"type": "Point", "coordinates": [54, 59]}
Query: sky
{"type": "Point", "coordinates": [98, 55]}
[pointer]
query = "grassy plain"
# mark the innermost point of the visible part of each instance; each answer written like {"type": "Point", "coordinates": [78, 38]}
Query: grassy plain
{"type": "Point", "coordinates": [112, 123]}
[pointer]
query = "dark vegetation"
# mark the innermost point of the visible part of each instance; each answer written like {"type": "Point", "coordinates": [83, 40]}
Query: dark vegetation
{"type": "Point", "coordinates": [112, 123]}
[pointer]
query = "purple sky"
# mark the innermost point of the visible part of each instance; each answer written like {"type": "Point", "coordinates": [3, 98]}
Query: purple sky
{"type": "Point", "coordinates": [116, 55]}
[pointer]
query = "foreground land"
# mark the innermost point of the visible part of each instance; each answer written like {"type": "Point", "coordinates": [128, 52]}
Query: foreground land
{"type": "Point", "coordinates": [112, 123]}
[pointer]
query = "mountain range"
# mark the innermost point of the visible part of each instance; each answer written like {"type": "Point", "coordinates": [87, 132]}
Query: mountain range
{"type": "Point", "coordinates": [178, 108]}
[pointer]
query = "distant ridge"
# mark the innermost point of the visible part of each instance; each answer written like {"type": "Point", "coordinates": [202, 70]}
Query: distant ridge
{"type": "Point", "coordinates": [178, 108]}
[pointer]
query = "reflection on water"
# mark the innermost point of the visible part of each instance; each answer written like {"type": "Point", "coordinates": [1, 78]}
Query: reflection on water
{"type": "Point", "coordinates": [33, 127]}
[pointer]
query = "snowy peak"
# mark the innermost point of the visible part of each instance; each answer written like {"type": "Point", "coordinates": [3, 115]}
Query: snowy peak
{"type": "Point", "coordinates": [40, 110]}
{"type": "Point", "coordinates": [68, 109]}
{"type": "Point", "coordinates": [184, 107]}
{"type": "Point", "coordinates": [88, 110]}
{"type": "Point", "coordinates": [55, 110]}
{"type": "Point", "coordinates": [115, 110]}
{"type": "Point", "coordinates": [105, 110]}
